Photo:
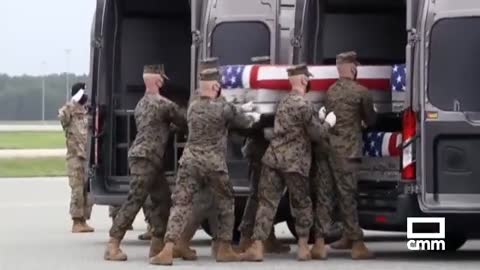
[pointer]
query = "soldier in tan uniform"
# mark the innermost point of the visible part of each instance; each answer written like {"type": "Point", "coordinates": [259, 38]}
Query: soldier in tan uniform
{"type": "Point", "coordinates": [154, 115]}
{"type": "Point", "coordinates": [73, 117]}
{"type": "Point", "coordinates": [353, 105]}
{"type": "Point", "coordinates": [203, 164]}
{"type": "Point", "coordinates": [254, 149]}
{"type": "Point", "coordinates": [286, 163]}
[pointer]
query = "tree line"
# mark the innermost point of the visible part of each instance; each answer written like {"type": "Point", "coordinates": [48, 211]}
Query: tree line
{"type": "Point", "coordinates": [21, 96]}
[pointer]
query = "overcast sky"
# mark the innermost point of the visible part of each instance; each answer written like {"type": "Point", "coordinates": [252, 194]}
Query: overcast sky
{"type": "Point", "coordinates": [32, 31]}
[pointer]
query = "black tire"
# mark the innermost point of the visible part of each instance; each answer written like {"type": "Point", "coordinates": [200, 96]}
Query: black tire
{"type": "Point", "coordinates": [454, 241]}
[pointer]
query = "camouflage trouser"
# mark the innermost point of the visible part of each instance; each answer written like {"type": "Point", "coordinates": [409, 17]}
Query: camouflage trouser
{"type": "Point", "coordinates": [343, 185]}
{"type": "Point", "coordinates": [80, 205]}
{"type": "Point", "coordinates": [271, 187]}
{"type": "Point", "coordinates": [190, 180]}
{"type": "Point", "coordinates": [322, 184]}
{"type": "Point", "coordinates": [147, 179]}
{"type": "Point", "coordinates": [146, 208]}
{"type": "Point", "coordinates": [254, 149]}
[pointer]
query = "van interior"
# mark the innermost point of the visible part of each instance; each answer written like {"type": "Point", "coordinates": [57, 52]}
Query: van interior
{"type": "Point", "coordinates": [146, 32]}
{"type": "Point", "coordinates": [376, 30]}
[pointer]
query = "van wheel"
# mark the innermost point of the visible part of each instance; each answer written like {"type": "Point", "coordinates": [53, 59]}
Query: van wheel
{"type": "Point", "coordinates": [454, 241]}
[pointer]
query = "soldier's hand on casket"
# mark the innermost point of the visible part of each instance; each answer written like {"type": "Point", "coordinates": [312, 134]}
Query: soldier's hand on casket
{"type": "Point", "coordinates": [322, 113]}
{"type": "Point", "coordinates": [268, 133]}
{"type": "Point", "coordinates": [331, 119]}
{"type": "Point", "coordinates": [254, 115]}
{"type": "Point", "coordinates": [248, 107]}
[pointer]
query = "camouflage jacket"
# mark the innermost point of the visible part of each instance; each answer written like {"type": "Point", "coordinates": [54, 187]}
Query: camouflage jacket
{"type": "Point", "coordinates": [73, 118]}
{"type": "Point", "coordinates": [352, 104]}
{"type": "Point", "coordinates": [154, 115]}
{"type": "Point", "coordinates": [208, 123]}
{"type": "Point", "coordinates": [296, 126]}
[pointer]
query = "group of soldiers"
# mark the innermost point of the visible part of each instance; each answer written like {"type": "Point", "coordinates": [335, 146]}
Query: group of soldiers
{"type": "Point", "coordinates": [311, 153]}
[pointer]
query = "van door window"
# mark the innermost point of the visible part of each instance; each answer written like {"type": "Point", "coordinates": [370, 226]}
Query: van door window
{"type": "Point", "coordinates": [453, 70]}
{"type": "Point", "coordinates": [232, 42]}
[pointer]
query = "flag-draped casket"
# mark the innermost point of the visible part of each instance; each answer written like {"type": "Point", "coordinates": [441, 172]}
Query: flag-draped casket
{"type": "Point", "coordinates": [267, 84]}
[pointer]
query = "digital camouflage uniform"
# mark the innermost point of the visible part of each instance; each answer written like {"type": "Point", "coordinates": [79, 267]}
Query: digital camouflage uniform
{"type": "Point", "coordinates": [146, 207]}
{"type": "Point", "coordinates": [203, 165]}
{"type": "Point", "coordinates": [286, 163]}
{"type": "Point", "coordinates": [352, 103]}
{"type": "Point", "coordinates": [74, 122]}
{"type": "Point", "coordinates": [153, 116]}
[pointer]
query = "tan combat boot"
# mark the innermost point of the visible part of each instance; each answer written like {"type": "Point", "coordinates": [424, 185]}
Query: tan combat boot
{"type": "Point", "coordinates": [225, 252]}
{"type": "Point", "coordinates": [243, 245]}
{"type": "Point", "coordinates": [113, 251]}
{"type": "Point", "coordinates": [360, 251]}
{"type": "Point", "coordinates": [319, 250]}
{"type": "Point", "coordinates": [146, 236]}
{"type": "Point", "coordinates": [80, 226]}
{"type": "Point", "coordinates": [272, 245]}
{"type": "Point", "coordinates": [254, 253]}
{"type": "Point", "coordinates": [156, 245]}
{"type": "Point", "coordinates": [342, 244]}
{"type": "Point", "coordinates": [165, 257]}
{"type": "Point", "coordinates": [182, 250]}
{"type": "Point", "coordinates": [303, 250]}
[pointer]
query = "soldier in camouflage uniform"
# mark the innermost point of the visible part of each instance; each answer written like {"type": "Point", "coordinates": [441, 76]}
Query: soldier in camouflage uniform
{"type": "Point", "coordinates": [353, 104]}
{"type": "Point", "coordinates": [254, 148]}
{"type": "Point", "coordinates": [154, 115]}
{"type": "Point", "coordinates": [287, 163]}
{"type": "Point", "coordinates": [73, 117]}
{"type": "Point", "coordinates": [203, 164]}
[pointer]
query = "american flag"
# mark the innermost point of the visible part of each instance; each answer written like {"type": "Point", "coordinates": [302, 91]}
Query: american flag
{"type": "Point", "coordinates": [382, 144]}
{"type": "Point", "coordinates": [399, 77]}
{"type": "Point", "coordinates": [275, 77]}
{"type": "Point", "coordinates": [233, 76]}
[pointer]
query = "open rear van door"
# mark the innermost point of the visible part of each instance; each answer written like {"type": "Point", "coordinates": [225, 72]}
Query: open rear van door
{"type": "Point", "coordinates": [450, 107]}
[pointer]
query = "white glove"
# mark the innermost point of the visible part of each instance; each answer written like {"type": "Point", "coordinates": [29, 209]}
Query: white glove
{"type": "Point", "coordinates": [322, 113]}
{"type": "Point", "coordinates": [331, 119]}
{"type": "Point", "coordinates": [254, 115]}
{"type": "Point", "coordinates": [268, 133]}
{"type": "Point", "coordinates": [248, 107]}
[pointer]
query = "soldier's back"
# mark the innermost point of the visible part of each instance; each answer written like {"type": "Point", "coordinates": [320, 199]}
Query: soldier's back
{"type": "Point", "coordinates": [153, 128]}
{"type": "Point", "coordinates": [290, 147]}
{"type": "Point", "coordinates": [345, 99]}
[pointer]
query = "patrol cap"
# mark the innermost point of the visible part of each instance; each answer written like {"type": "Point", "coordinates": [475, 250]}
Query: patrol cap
{"type": "Point", "coordinates": [261, 60]}
{"type": "Point", "coordinates": [300, 69]}
{"type": "Point", "coordinates": [207, 63]}
{"type": "Point", "coordinates": [155, 69]}
{"type": "Point", "coordinates": [347, 58]}
{"type": "Point", "coordinates": [210, 74]}
{"type": "Point", "coordinates": [77, 87]}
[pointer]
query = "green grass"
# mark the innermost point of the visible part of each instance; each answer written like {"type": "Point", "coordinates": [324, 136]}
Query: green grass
{"type": "Point", "coordinates": [32, 167]}
{"type": "Point", "coordinates": [32, 140]}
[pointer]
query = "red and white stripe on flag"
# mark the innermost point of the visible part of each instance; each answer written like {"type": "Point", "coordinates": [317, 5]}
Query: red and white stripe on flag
{"type": "Point", "coordinates": [391, 144]}
{"type": "Point", "coordinates": [276, 77]}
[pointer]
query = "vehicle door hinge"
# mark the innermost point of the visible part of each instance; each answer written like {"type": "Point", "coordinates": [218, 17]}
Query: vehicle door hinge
{"type": "Point", "coordinates": [413, 37]}
{"type": "Point", "coordinates": [97, 43]}
{"type": "Point", "coordinates": [412, 189]}
{"type": "Point", "coordinates": [196, 38]}
{"type": "Point", "coordinates": [296, 41]}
